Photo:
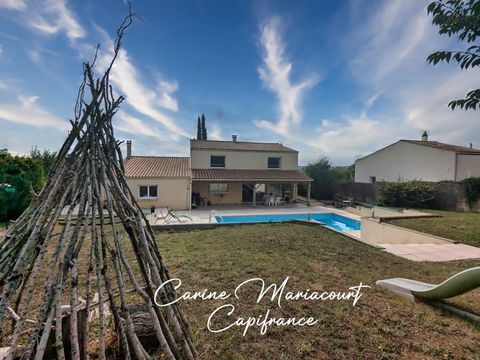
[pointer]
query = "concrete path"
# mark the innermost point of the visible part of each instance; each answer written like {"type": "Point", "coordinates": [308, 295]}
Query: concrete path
{"type": "Point", "coordinates": [433, 252]}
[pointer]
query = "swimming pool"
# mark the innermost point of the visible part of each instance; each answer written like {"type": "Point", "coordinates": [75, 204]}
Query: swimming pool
{"type": "Point", "coordinates": [335, 221]}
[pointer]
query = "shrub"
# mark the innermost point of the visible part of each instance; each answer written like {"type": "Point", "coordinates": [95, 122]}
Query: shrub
{"type": "Point", "coordinates": [472, 190]}
{"type": "Point", "coordinates": [408, 194]}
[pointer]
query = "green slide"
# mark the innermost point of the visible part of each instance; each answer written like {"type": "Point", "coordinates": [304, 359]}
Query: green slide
{"type": "Point", "coordinates": [458, 284]}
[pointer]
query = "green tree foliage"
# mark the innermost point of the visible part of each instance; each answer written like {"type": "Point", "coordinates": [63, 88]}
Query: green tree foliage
{"type": "Point", "coordinates": [462, 18]}
{"type": "Point", "coordinates": [472, 190]}
{"type": "Point", "coordinates": [326, 177]}
{"type": "Point", "coordinates": [204, 128]}
{"type": "Point", "coordinates": [406, 194]}
{"type": "Point", "coordinates": [21, 173]}
{"type": "Point", "coordinates": [201, 128]}
{"type": "Point", "coordinates": [46, 158]}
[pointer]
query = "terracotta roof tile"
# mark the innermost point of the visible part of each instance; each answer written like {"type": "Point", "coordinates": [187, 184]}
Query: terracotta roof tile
{"type": "Point", "coordinates": [443, 146]}
{"type": "Point", "coordinates": [249, 175]}
{"type": "Point", "coordinates": [157, 167]}
{"type": "Point", "coordinates": [238, 145]}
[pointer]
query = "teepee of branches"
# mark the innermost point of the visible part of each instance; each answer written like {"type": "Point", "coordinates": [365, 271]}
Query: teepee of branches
{"type": "Point", "coordinates": [84, 245]}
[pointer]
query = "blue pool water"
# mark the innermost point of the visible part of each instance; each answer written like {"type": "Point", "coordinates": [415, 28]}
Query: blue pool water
{"type": "Point", "coordinates": [337, 222]}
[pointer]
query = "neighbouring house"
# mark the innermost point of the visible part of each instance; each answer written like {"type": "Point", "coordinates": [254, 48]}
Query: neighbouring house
{"type": "Point", "coordinates": [423, 160]}
{"type": "Point", "coordinates": [217, 172]}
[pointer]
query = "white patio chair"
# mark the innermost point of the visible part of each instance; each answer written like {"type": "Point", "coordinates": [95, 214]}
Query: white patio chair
{"type": "Point", "coordinates": [277, 200]}
{"type": "Point", "coordinates": [271, 201]}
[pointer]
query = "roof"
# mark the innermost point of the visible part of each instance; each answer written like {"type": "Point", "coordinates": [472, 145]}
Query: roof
{"type": "Point", "coordinates": [249, 175]}
{"type": "Point", "coordinates": [157, 167]}
{"type": "Point", "coordinates": [462, 150]}
{"type": "Point", "coordinates": [443, 146]}
{"type": "Point", "coordinates": [238, 145]}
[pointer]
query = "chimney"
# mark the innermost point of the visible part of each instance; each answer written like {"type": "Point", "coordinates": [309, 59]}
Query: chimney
{"type": "Point", "coordinates": [234, 138]}
{"type": "Point", "coordinates": [424, 136]}
{"type": "Point", "coordinates": [471, 145]}
{"type": "Point", "coordinates": [129, 149]}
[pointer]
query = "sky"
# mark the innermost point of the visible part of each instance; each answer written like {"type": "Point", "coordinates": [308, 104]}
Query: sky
{"type": "Point", "coordinates": [329, 78]}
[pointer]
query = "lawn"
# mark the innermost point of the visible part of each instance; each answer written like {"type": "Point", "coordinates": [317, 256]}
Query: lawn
{"type": "Point", "coordinates": [380, 326]}
{"type": "Point", "coordinates": [460, 226]}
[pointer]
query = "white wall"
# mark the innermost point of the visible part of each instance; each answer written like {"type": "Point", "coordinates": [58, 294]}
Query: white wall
{"type": "Point", "coordinates": [467, 166]}
{"type": "Point", "coordinates": [249, 160]}
{"type": "Point", "coordinates": [406, 161]}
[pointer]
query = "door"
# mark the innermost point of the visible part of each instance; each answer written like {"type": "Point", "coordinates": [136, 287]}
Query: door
{"type": "Point", "coordinates": [247, 193]}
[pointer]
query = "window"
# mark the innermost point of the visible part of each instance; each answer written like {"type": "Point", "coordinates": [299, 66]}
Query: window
{"type": "Point", "coordinates": [218, 188]}
{"type": "Point", "coordinates": [217, 161]}
{"type": "Point", "coordinates": [148, 191]}
{"type": "Point", "coordinates": [274, 162]}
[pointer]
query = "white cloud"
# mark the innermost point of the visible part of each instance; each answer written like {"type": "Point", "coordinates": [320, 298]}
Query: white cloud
{"type": "Point", "coordinates": [48, 17]}
{"type": "Point", "coordinates": [386, 49]}
{"type": "Point", "coordinates": [54, 17]}
{"type": "Point", "coordinates": [145, 100]}
{"type": "Point", "coordinates": [165, 90]}
{"type": "Point", "coordinates": [28, 111]}
{"type": "Point", "coordinates": [132, 125]}
{"type": "Point", "coordinates": [275, 73]}
{"type": "Point", "coordinates": [215, 132]}
{"type": "Point", "coordinates": [13, 4]}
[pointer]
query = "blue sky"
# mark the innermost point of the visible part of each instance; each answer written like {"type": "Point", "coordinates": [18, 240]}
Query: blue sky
{"type": "Point", "coordinates": [329, 78]}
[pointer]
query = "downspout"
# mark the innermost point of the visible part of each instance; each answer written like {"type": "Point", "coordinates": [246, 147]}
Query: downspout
{"type": "Point", "coordinates": [456, 161]}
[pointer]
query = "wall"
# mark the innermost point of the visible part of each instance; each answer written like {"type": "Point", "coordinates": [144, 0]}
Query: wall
{"type": "Point", "coordinates": [244, 159]}
{"type": "Point", "coordinates": [467, 166]}
{"type": "Point", "coordinates": [408, 162]}
{"type": "Point", "coordinates": [233, 196]}
{"type": "Point", "coordinates": [376, 232]}
{"type": "Point", "coordinates": [172, 193]}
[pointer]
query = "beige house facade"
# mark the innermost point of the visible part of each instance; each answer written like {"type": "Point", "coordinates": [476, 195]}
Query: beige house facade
{"type": "Point", "coordinates": [419, 160]}
{"type": "Point", "coordinates": [216, 173]}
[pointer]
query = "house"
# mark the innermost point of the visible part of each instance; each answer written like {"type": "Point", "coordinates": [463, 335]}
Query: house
{"type": "Point", "coordinates": [423, 160]}
{"type": "Point", "coordinates": [217, 172]}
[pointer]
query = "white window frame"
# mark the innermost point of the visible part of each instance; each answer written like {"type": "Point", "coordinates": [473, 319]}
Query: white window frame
{"type": "Point", "coordinates": [219, 191]}
{"type": "Point", "coordinates": [148, 197]}
{"type": "Point", "coordinates": [219, 167]}
{"type": "Point", "coordinates": [279, 162]}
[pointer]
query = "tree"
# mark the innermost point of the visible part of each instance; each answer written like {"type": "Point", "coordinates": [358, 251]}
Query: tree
{"type": "Point", "coordinates": [199, 129]}
{"type": "Point", "coordinates": [323, 178]}
{"type": "Point", "coordinates": [204, 128]}
{"type": "Point", "coordinates": [460, 17]}
{"type": "Point", "coordinates": [45, 157]}
{"type": "Point", "coordinates": [23, 174]}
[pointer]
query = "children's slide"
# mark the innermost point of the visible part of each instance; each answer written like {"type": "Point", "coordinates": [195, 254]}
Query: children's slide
{"type": "Point", "coordinates": [417, 291]}
{"type": "Point", "coordinates": [458, 284]}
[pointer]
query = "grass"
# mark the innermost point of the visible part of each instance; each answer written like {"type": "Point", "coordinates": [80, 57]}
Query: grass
{"type": "Point", "coordinates": [380, 326]}
{"type": "Point", "coordinates": [460, 226]}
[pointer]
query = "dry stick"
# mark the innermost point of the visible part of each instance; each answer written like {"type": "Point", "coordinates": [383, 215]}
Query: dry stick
{"type": "Point", "coordinates": [57, 301]}
{"type": "Point", "coordinates": [174, 320]}
{"type": "Point", "coordinates": [32, 281]}
{"type": "Point", "coordinates": [72, 258]}
{"type": "Point", "coordinates": [91, 139]}
{"type": "Point", "coordinates": [137, 346]}
{"type": "Point", "coordinates": [159, 329]}
{"type": "Point", "coordinates": [101, 339]}
{"type": "Point", "coordinates": [34, 271]}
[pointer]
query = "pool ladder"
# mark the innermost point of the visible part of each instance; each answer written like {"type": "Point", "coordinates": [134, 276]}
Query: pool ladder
{"type": "Point", "coordinates": [213, 212]}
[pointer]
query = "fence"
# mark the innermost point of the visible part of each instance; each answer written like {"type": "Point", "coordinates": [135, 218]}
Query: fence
{"type": "Point", "coordinates": [448, 195]}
